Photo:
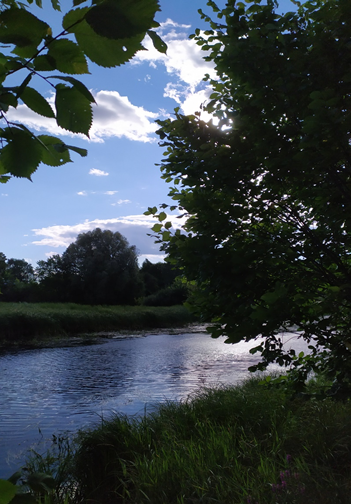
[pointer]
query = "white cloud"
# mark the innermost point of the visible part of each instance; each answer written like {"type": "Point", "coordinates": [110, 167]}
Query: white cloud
{"type": "Point", "coordinates": [82, 193]}
{"type": "Point", "coordinates": [3, 194]}
{"type": "Point", "coordinates": [184, 58]}
{"type": "Point", "coordinates": [98, 173]}
{"type": "Point", "coordinates": [121, 202]}
{"type": "Point", "coordinates": [50, 254]}
{"type": "Point", "coordinates": [185, 62]}
{"type": "Point", "coordinates": [111, 193]}
{"type": "Point", "coordinates": [114, 116]}
{"type": "Point", "coordinates": [153, 258]}
{"type": "Point", "coordinates": [134, 227]}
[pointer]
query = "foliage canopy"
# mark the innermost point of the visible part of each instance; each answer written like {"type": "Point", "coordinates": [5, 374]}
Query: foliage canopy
{"type": "Point", "coordinates": [266, 184]}
{"type": "Point", "coordinates": [108, 32]}
{"type": "Point", "coordinates": [99, 267]}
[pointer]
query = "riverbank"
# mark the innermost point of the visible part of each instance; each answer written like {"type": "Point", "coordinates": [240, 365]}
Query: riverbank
{"type": "Point", "coordinates": [28, 323]}
{"type": "Point", "coordinates": [247, 444]}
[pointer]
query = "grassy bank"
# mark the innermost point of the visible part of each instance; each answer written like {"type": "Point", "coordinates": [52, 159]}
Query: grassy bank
{"type": "Point", "coordinates": [242, 445]}
{"type": "Point", "coordinates": [25, 321]}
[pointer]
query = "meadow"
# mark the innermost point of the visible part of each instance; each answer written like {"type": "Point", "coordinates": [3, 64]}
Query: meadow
{"type": "Point", "coordinates": [247, 444]}
{"type": "Point", "coordinates": [28, 322]}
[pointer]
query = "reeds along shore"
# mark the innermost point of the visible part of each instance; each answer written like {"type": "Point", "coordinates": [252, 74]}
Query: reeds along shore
{"type": "Point", "coordinates": [245, 445]}
{"type": "Point", "coordinates": [23, 322]}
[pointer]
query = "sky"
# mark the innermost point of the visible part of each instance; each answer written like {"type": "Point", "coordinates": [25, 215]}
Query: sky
{"type": "Point", "coordinates": [114, 185]}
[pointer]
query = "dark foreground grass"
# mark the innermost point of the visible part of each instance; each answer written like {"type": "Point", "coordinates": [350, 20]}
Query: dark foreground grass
{"type": "Point", "coordinates": [25, 321]}
{"type": "Point", "coordinates": [241, 445]}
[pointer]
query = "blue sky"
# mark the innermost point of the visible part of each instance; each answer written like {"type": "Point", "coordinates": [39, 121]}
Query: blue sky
{"type": "Point", "coordinates": [114, 185]}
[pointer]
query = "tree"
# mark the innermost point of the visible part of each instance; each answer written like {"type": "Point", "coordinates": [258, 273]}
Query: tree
{"type": "Point", "coordinates": [53, 283]}
{"type": "Point", "coordinates": [266, 184]}
{"type": "Point", "coordinates": [157, 276]}
{"type": "Point", "coordinates": [108, 32]}
{"type": "Point", "coordinates": [17, 279]}
{"type": "Point", "coordinates": [100, 267]}
{"type": "Point", "coordinates": [21, 270]}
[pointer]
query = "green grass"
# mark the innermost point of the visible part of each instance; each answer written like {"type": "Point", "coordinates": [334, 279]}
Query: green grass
{"type": "Point", "coordinates": [27, 321]}
{"type": "Point", "coordinates": [241, 445]}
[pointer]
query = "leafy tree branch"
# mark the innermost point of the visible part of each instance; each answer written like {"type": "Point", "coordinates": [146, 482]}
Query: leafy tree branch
{"type": "Point", "coordinates": [108, 32]}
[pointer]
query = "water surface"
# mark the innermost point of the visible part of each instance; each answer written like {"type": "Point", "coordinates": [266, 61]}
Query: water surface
{"type": "Point", "coordinates": [50, 390]}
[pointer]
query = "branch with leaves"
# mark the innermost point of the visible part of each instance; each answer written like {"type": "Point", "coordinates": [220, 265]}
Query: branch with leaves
{"type": "Point", "coordinates": [107, 32]}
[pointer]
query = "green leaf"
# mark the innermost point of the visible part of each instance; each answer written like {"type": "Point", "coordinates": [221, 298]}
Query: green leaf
{"type": "Point", "coordinates": [36, 102]}
{"type": "Point", "coordinates": [23, 29]}
{"type": "Point", "coordinates": [162, 216]}
{"type": "Point", "coordinates": [15, 477]}
{"type": "Point", "coordinates": [101, 50]}
{"type": "Point", "coordinates": [166, 235]}
{"type": "Point", "coordinates": [40, 482]}
{"type": "Point", "coordinates": [78, 150]}
{"type": "Point", "coordinates": [7, 100]}
{"type": "Point", "coordinates": [159, 44]}
{"type": "Point", "coordinates": [24, 84]}
{"type": "Point", "coordinates": [156, 228]}
{"type": "Point", "coordinates": [7, 491]}
{"type": "Point", "coordinates": [68, 57]}
{"type": "Point", "coordinates": [73, 110]}
{"type": "Point", "coordinates": [44, 63]}
{"type": "Point", "coordinates": [22, 154]}
{"type": "Point", "coordinates": [56, 152]}
{"type": "Point", "coordinates": [56, 5]}
{"type": "Point", "coordinates": [123, 19]}
{"type": "Point", "coordinates": [78, 85]}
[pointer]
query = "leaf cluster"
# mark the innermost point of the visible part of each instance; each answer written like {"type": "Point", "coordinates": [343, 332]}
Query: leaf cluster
{"type": "Point", "coordinates": [266, 184]}
{"type": "Point", "coordinates": [106, 32]}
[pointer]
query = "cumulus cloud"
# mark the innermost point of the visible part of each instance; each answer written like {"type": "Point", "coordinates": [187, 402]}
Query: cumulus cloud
{"type": "Point", "coordinates": [184, 62]}
{"type": "Point", "coordinates": [114, 116]}
{"type": "Point", "coordinates": [98, 173]}
{"type": "Point", "coordinates": [82, 193]}
{"type": "Point", "coordinates": [134, 227]}
{"type": "Point", "coordinates": [110, 193]}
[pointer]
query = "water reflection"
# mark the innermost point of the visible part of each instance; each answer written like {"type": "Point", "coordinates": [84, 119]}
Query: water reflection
{"type": "Point", "coordinates": [45, 391]}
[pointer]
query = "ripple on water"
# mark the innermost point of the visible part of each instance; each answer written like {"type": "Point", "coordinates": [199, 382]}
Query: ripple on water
{"type": "Point", "coordinates": [45, 391]}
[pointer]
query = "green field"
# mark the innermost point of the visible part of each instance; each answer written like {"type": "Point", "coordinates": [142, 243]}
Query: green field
{"type": "Point", "coordinates": [24, 322]}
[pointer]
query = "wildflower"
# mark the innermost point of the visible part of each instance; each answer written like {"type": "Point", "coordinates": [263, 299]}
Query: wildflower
{"type": "Point", "coordinates": [284, 484]}
{"type": "Point", "coordinates": [288, 459]}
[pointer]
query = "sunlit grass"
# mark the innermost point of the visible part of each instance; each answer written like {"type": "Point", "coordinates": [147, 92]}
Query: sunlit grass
{"type": "Point", "coordinates": [243, 445]}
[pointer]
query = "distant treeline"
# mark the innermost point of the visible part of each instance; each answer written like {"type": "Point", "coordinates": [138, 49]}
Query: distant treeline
{"type": "Point", "coordinates": [99, 268]}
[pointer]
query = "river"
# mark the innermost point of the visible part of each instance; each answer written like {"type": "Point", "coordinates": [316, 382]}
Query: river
{"type": "Point", "coordinates": [48, 391]}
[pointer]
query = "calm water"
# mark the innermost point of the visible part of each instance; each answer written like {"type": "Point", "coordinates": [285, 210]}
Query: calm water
{"type": "Point", "coordinates": [51, 390]}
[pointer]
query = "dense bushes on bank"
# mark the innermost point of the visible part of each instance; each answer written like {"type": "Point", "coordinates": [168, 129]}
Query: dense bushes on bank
{"type": "Point", "coordinates": [25, 321]}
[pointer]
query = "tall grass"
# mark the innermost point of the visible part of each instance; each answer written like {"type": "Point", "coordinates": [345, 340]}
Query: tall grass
{"type": "Point", "coordinates": [24, 321]}
{"type": "Point", "coordinates": [243, 445]}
